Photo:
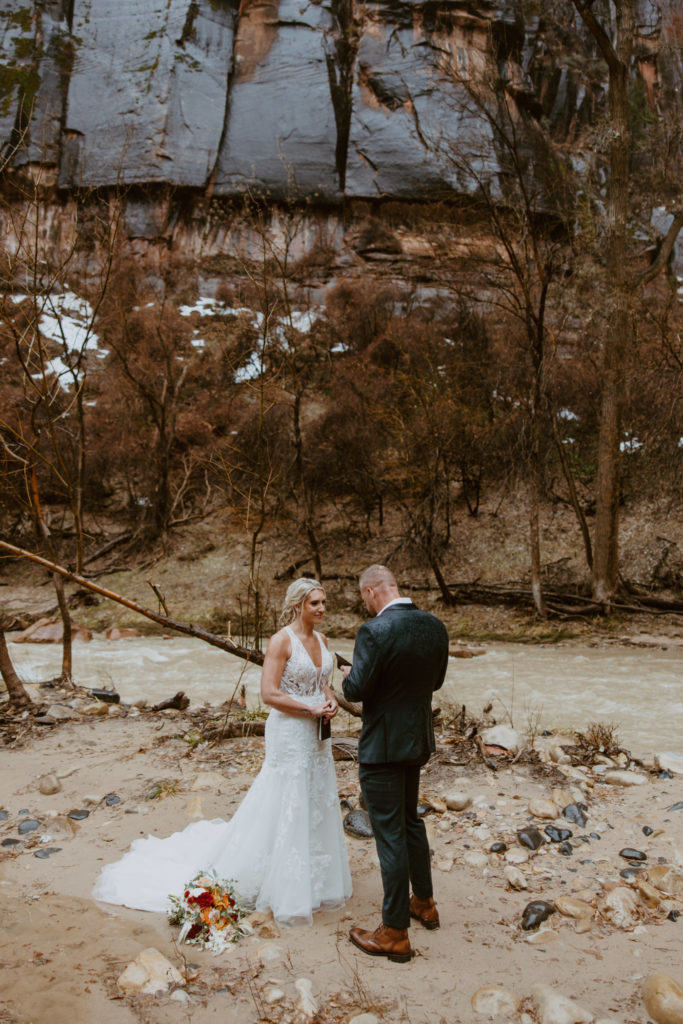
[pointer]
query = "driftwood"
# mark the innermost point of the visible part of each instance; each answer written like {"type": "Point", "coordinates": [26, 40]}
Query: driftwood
{"type": "Point", "coordinates": [559, 602]}
{"type": "Point", "coordinates": [222, 642]}
{"type": "Point", "coordinates": [178, 702]}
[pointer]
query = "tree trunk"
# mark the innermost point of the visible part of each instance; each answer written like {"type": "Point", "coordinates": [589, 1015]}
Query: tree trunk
{"type": "Point", "coordinates": [618, 285]}
{"type": "Point", "coordinates": [18, 697]}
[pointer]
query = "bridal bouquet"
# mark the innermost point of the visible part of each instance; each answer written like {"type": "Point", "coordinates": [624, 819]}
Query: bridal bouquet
{"type": "Point", "coordinates": [208, 913]}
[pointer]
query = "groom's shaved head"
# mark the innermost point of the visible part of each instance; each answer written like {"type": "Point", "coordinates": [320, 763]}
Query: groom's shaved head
{"type": "Point", "coordinates": [376, 576]}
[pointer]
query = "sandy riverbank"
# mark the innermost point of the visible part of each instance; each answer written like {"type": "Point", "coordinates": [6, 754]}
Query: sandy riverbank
{"type": "Point", "coordinates": [61, 953]}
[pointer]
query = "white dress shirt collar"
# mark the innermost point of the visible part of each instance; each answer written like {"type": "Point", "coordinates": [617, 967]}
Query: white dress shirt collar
{"type": "Point", "coordinates": [396, 600]}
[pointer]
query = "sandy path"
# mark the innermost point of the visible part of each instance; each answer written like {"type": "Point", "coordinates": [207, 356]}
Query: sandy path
{"type": "Point", "coordinates": [60, 953]}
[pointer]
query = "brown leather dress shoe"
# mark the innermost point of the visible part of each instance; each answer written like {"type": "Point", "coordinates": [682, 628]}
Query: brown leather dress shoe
{"type": "Point", "coordinates": [392, 943]}
{"type": "Point", "coordinates": [424, 911]}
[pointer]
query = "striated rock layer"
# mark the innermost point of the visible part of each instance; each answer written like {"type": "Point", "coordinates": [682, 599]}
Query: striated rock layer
{"type": "Point", "coordinates": [323, 99]}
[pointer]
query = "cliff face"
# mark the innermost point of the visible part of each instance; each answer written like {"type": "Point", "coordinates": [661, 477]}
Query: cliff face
{"type": "Point", "coordinates": [328, 99]}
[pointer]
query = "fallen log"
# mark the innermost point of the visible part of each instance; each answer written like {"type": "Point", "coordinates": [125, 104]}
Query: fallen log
{"type": "Point", "coordinates": [222, 642]}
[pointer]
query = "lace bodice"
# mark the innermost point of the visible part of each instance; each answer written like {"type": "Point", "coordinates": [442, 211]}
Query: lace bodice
{"type": "Point", "coordinates": [301, 678]}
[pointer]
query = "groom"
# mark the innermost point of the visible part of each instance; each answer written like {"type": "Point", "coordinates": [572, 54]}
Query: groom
{"type": "Point", "coordinates": [399, 659]}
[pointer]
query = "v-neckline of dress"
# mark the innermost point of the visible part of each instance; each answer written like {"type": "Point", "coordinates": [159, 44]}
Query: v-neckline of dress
{"type": "Point", "coordinates": [319, 667]}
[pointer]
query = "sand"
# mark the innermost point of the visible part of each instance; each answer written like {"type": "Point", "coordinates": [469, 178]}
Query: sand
{"type": "Point", "coordinates": [61, 953]}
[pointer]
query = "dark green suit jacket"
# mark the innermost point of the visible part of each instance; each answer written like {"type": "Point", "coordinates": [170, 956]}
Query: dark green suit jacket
{"type": "Point", "coordinates": [399, 659]}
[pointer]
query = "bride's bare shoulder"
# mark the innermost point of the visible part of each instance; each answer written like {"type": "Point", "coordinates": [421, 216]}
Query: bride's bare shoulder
{"type": "Point", "coordinates": [280, 644]}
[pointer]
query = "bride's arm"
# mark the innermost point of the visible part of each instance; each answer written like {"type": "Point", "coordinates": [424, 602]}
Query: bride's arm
{"type": "Point", "coordinates": [279, 649]}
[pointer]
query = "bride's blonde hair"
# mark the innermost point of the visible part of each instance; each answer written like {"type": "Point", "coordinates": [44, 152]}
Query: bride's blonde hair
{"type": "Point", "coordinates": [297, 592]}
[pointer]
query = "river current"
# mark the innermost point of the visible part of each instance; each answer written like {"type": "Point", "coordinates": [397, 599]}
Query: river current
{"type": "Point", "coordinates": [638, 689]}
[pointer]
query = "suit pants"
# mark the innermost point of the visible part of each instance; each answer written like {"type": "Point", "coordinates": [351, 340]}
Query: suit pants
{"type": "Point", "coordinates": [390, 792]}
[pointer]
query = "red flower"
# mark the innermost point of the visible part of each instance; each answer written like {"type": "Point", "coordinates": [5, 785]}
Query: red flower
{"type": "Point", "coordinates": [187, 893]}
{"type": "Point", "coordinates": [195, 930]}
{"type": "Point", "coordinates": [205, 899]}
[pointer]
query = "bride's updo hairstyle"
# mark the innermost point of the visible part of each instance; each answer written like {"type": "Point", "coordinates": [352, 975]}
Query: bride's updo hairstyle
{"type": "Point", "coordinates": [297, 592]}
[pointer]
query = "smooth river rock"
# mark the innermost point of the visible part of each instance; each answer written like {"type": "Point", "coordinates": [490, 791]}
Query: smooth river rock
{"type": "Point", "coordinates": [668, 762]}
{"type": "Point", "coordinates": [149, 973]}
{"type": "Point", "coordinates": [543, 808]}
{"type": "Point", "coordinates": [621, 777]}
{"type": "Point", "coordinates": [663, 998]}
{"type": "Point", "coordinates": [503, 736]}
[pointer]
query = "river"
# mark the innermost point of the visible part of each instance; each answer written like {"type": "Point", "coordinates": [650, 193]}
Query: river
{"type": "Point", "coordinates": [638, 689]}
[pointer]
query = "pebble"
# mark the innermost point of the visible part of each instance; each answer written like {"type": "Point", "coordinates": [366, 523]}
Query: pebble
{"type": "Point", "coordinates": [667, 878]}
{"type": "Point", "coordinates": [475, 859]}
{"type": "Point", "coordinates": [554, 1008]}
{"type": "Point", "coordinates": [106, 696]}
{"type": "Point", "coordinates": [620, 777]}
{"type": "Point", "coordinates": [530, 837]}
{"type": "Point", "coordinates": [10, 842]}
{"type": "Point", "coordinates": [557, 835]}
{"type": "Point", "coordinates": [46, 852]}
{"type": "Point", "coordinates": [563, 797]}
{"type": "Point", "coordinates": [571, 906]}
{"type": "Point", "coordinates": [445, 864]}
{"type": "Point", "coordinates": [274, 995]}
{"type": "Point", "coordinates": [566, 849]}
{"type": "Point", "coordinates": [96, 710]}
{"type": "Point", "coordinates": [149, 973]}
{"type": "Point", "coordinates": [516, 856]}
{"type": "Point", "coordinates": [663, 998]}
{"type": "Point", "coordinates": [78, 814]}
{"type": "Point", "coordinates": [3, 815]}
{"type": "Point", "coordinates": [357, 823]}
{"type": "Point", "coordinates": [543, 808]}
{"type": "Point", "coordinates": [620, 907]}
{"type": "Point", "coordinates": [515, 878]}
{"type": "Point", "coordinates": [668, 762]}
{"type": "Point", "coordinates": [49, 784]}
{"type": "Point", "coordinates": [536, 912]}
{"type": "Point", "coordinates": [307, 1004]}
{"type": "Point", "coordinates": [111, 799]}
{"type": "Point", "coordinates": [60, 713]}
{"type": "Point", "coordinates": [628, 854]}
{"type": "Point", "coordinates": [495, 1002]}
{"type": "Point", "coordinates": [676, 807]}
{"type": "Point", "coordinates": [647, 830]}
{"type": "Point", "coordinates": [498, 847]}
{"type": "Point", "coordinates": [179, 995]}
{"type": "Point", "coordinates": [457, 801]}
{"type": "Point", "coordinates": [502, 736]}
{"type": "Point", "coordinates": [557, 755]}
{"type": "Point", "coordinates": [576, 813]}
{"type": "Point", "coordinates": [28, 825]}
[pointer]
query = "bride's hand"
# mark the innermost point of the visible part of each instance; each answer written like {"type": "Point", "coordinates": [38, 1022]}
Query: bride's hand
{"type": "Point", "coordinates": [330, 709]}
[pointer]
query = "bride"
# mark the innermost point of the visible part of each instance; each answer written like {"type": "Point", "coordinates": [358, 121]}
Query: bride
{"type": "Point", "coordinates": [284, 847]}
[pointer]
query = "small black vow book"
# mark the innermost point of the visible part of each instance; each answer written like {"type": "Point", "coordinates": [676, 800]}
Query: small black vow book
{"type": "Point", "coordinates": [324, 729]}
{"type": "Point", "coordinates": [341, 660]}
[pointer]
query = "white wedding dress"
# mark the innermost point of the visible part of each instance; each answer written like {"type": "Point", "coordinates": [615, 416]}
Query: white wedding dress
{"type": "Point", "coordinates": [284, 847]}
